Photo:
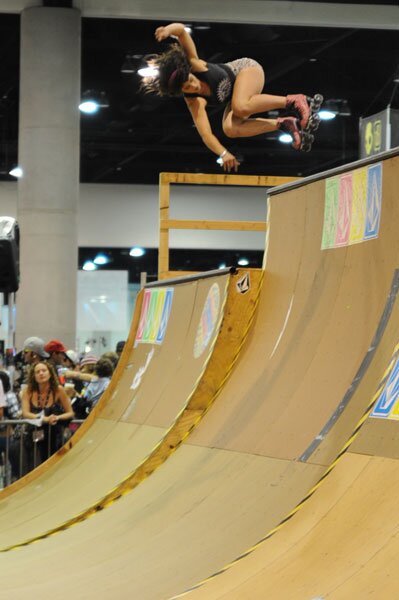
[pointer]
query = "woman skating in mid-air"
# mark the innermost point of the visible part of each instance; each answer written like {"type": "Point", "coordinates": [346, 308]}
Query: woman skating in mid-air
{"type": "Point", "coordinates": [237, 85]}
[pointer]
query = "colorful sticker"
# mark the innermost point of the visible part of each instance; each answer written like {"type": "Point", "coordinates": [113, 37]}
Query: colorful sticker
{"type": "Point", "coordinates": [359, 193]}
{"type": "Point", "coordinates": [155, 311]}
{"type": "Point", "coordinates": [389, 397]}
{"type": "Point", "coordinates": [207, 321]}
{"type": "Point", "coordinates": [330, 213]}
{"type": "Point", "coordinates": [374, 199]}
{"type": "Point", "coordinates": [344, 210]}
{"type": "Point", "coordinates": [352, 209]}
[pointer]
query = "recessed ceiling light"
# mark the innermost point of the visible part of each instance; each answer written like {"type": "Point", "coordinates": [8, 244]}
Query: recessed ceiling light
{"type": "Point", "coordinates": [285, 138]}
{"type": "Point", "coordinates": [243, 262]}
{"type": "Point", "coordinates": [88, 107]}
{"type": "Point", "coordinates": [16, 172]}
{"type": "Point", "coordinates": [148, 72]}
{"type": "Point", "coordinates": [327, 115]}
{"type": "Point", "coordinates": [137, 252]}
{"type": "Point", "coordinates": [101, 259]}
{"type": "Point", "coordinates": [89, 266]}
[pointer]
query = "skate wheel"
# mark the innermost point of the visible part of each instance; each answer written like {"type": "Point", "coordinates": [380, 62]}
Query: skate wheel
{"type": "Point", "coordinates": [307, 141]}
{"type": "Point", "coordinates": [317, 101]}
{"type": "Point", "coordinates": [314, 123]}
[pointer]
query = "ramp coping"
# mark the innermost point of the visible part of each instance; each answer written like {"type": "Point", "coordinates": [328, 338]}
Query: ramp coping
{"type": "Point", "coordinates": [193, 277]}
{"type": "Point", "coordinates": [330, 173]}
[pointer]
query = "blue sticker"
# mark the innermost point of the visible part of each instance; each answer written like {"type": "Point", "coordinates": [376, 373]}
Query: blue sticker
{"type": "Point", "coordinates": [374, 200]}
{"type": "Point", "coordinates": [389, 395]}
{"type": "Point", "coordinates": [167, 307]}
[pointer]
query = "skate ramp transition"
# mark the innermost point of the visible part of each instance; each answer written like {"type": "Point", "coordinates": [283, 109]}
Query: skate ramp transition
{"type": "Point", "coordinates": [285, 488]}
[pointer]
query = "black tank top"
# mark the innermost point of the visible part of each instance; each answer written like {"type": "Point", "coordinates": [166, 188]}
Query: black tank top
{"type": "Point", "coordinates": [220, 79]}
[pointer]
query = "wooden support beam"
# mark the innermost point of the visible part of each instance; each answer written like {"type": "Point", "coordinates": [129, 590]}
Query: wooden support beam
{"type": "Point", "coordinates": [213, 179]}
{"type": "Point", "coordinates": [163, 253]}
{"type": "Point", "coordinates": [215, 225]}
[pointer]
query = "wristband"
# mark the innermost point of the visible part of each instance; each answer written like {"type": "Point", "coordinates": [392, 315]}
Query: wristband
{"type": "Point", "coordinates": [223, 154]}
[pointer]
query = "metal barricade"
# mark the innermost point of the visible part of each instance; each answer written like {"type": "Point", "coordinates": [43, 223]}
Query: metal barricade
{"type": "Point", "coordinates": [23, 445]}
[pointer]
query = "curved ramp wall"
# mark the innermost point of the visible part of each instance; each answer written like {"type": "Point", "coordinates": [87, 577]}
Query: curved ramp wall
{"type": "Point", "coordinates": [247, 465]}
{"type": "Point", "coordinates": [168, 376]}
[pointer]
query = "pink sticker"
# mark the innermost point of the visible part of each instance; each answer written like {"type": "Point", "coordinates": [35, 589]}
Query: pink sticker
{"type": "Point", "coordinates": [344, 210]}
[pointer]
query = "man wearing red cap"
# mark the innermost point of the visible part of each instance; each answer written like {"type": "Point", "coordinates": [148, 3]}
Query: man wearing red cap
{"type": "Point", "coordinates": [57, 351]}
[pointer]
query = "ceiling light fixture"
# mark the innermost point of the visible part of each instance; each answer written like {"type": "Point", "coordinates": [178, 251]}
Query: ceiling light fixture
{"type": "Point", "coordinates": [285, 138]}
{"type": "Point", "coordinates": [101, 259]}
{"type": "Point", "coordinates": [92, 101]}
{"type": "Point", "coordinates": [333, 108]}
{"type": "Point", "coordinates": [327, 115]}
{"type": "Point", "coordinates": [148, 71]}
{"type": "Point", "coordinates": [16, 172]}
{"type": "Point", "coordinates": [89, 266]}
{"type": "Point", "coordinates": [329, 110]}
{"type": "Point", "coordinates": [243, 262]}
{"type": "Point", "coordinates": [88, 107]}
{"type": "Point", "coordinates": [136, 252]}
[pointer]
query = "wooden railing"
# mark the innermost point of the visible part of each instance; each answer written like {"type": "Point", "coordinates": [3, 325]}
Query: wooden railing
{"type": "Point", "coordinates": [166, 224]}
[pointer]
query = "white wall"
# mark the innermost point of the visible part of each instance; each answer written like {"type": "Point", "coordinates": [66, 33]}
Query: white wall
{"type": "Point", "coordinates": [126, 215]}
{"type": "Point", "coordinates": [8, 199]}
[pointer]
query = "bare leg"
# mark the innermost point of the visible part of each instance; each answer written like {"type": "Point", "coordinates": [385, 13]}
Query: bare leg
{"type": "Point", "coordinates": [235, 127]}
{"type": "Point", "coordinates": [247, 100]}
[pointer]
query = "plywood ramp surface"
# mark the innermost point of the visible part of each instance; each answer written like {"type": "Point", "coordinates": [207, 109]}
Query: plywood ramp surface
{"type": "Point", "coordinates": [317, 319]}
{"type": "Point", "coordinates": [243, 470]}
{"type": "Point", "coordinates": [114, 548]}
{"type": "Point", "coordinates": [341, 545]}
{"type": "Point", "coordinates": [186, 370]}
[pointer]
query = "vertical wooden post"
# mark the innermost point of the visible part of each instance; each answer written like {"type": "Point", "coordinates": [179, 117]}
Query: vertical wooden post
{"type": "Point", "coordinates": [164, 202]}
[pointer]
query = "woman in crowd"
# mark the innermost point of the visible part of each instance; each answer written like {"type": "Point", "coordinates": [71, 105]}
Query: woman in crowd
{"type": "Point", "coordinates": [45, 399]}
{"type": "Point", "coordinates": [96, 388]}
{"type": "Point", "coordinates": [237, 85]}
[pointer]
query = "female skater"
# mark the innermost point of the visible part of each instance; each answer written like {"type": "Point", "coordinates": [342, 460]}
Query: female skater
{"type": "Point", "coordinates": [238, 85]}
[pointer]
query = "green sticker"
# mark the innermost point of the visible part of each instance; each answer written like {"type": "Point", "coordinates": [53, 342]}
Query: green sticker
{"type": "Point", "coordinates": [330, 213]}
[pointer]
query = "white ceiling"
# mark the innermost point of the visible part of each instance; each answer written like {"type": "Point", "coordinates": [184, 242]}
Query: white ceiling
{"type": "Point", "coordinates": [268, 12]}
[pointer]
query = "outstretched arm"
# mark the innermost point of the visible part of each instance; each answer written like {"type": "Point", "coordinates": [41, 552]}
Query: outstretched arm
{"type": "Point", "coordinates": [177, 30]}
{"type": "Point", "coordinates": [197, 108]}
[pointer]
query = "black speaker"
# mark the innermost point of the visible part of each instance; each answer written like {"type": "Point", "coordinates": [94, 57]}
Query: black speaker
{"type": "Point", "coordinates": [9, 255]}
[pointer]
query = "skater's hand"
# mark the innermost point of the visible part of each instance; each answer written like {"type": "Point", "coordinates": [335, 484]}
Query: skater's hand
{"type": "Point", "coordinates": [230, 163]}
{"type": "Point", "coordinates": [172, 30]}
{"type": "Point", "coordinates": [161, 34]}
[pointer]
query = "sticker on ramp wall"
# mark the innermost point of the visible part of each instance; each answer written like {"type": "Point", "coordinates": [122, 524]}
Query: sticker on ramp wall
{"type": "Point", "coordinates": [387, 405]}
{"type": "Point", "coordinates": [138, 376]}
{"type": "Point", "coordinates": [352, 207]}
{"type": "Point", "coordinates": [243, 284]}
{"type": "Point", "coordinates": [154, 317]}
{"type": "Point", "coordinates": [374, 198]}
{"type": "Point", "coordinates": [344, 210]}
{"type": "Point", "coordinates": [208, 320]}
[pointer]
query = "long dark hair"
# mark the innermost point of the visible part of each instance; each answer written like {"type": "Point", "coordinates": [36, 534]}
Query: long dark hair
{"type": "Point", "coordinates": [5, 380]}
{"type": "Point", "coordinates": [173, 71]}
{"type": "Point", "coordinates": [33, 386]}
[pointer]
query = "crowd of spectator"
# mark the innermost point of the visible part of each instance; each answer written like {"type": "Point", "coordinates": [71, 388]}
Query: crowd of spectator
{"type": "Point", "coordinates": [47, 392]}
